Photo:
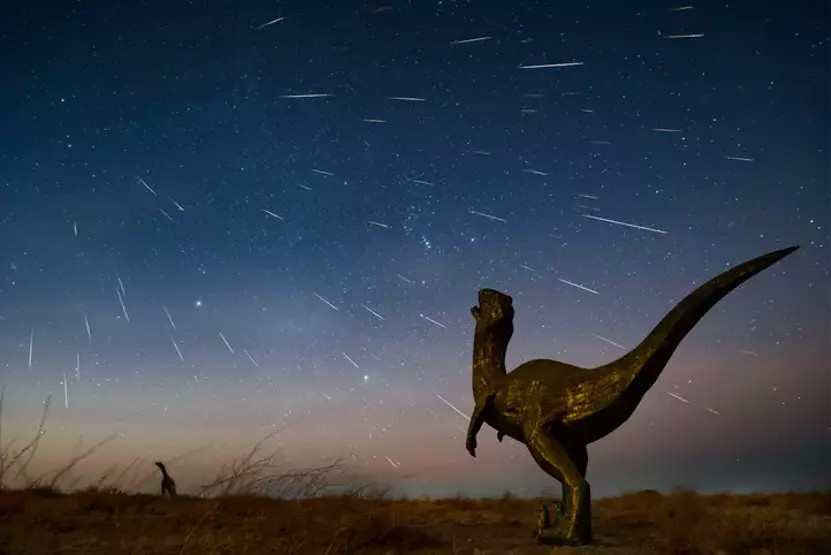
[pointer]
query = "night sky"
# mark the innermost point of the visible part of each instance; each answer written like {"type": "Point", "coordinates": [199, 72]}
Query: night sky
{"type": "Point", "coordinates": [219, 219]}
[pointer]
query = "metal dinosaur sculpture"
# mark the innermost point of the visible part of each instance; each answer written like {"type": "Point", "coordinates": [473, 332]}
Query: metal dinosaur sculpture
{"type": "Point", "coordinates": [557, 409]}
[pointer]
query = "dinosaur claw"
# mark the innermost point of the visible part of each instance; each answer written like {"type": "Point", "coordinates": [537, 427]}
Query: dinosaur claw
{"type": "Point", "coordinates": [470, 444]}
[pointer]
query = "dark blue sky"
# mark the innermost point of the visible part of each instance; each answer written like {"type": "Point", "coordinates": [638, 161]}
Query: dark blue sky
{"type": "Point", "coordinates": [152, 155]}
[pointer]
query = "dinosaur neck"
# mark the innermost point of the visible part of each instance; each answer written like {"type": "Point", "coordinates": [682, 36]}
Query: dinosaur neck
{"type": "Point", "coordinates": [488, 360]}
{"type": "Point", "coordinates": [163, 469]}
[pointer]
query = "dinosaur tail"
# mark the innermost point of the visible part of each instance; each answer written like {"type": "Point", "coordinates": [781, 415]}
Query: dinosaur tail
{"type": "Point", "coordinates": [640, 368]}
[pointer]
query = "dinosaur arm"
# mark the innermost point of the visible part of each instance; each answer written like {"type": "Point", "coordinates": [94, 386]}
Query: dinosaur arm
{"type": "Point", "coordinates": [476, 421]}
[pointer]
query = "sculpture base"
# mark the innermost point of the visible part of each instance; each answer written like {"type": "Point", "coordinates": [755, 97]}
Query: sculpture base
{"type": "Point", "coordinates": [561, 531]}
{"type": "Point", "coordinates": [555, 537]}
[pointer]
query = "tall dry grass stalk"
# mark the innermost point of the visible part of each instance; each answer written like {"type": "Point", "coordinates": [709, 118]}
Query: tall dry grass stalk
{"type": "Point", "coordinates": [257, 473]}
{"type": "Point", "coordinates": [22, 458]}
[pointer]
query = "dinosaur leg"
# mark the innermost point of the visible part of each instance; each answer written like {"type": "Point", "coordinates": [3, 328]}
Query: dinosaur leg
{"type": "Point", "coordinates": [580, 457]}
{"type": "Point", "coordinates": [557, 461]}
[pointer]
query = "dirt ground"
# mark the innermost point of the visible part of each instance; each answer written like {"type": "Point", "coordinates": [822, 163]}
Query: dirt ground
{"type": "Point", "coordinates": [44, 521]}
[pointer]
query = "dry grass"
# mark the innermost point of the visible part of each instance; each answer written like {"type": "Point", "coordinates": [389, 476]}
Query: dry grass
{"type": "Point", "coordinates": [46, 521]}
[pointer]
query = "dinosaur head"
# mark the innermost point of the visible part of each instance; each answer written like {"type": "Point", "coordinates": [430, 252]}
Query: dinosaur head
{"type": "Point", "coordinates": [494, 327]}
{"type": "Point", "coordinates": [495, 314]}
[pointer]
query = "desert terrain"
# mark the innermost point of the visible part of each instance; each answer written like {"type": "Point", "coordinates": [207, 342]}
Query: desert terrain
{"type": "Point", "coordinates": [42, 520]}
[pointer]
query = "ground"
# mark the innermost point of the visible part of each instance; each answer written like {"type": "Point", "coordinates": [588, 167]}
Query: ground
{"type": "Point", "coordinates": [39, 521]}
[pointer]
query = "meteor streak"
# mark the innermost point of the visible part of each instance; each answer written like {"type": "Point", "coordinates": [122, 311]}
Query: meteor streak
{"type": "Point", "coordinates": [86, 323]}
{"type": "Point", "coordinates": [488, 216]}
{"type": "Point", "coordinates": [625, 224]}
{"type": "Point", "coordinates": [347, 357]}
{"type": "Point", "coordinates": [469, 41]}
{"type": "Point", "coordinates": [325, 301]}
{"type": "Point", "coordinates": [449, 404]}
{"type": "Point", "coordinates": [178, 352]}
{"type": "Point", "coordinates": [273, 215]}
{"type": "Point", "coordinates": [578, 286]}
{"type": "Point", "coordinates": [123, 308]}
{"type": "Point", "coordinates": [169, 318]}
{"type": "Point", "coordinates": [433, 321]}
{"type": "Point", "coordinates": [306, 95]}
{"type": "Point", "coordinates": [609, 341]}
{"type": "Point", "coordinates": [678, 397]}
{"type": "Point", "coordinates": [547, 66]}
{"type": "Point", "coordinates": [254, 362]}
{"type": "Point", "coordinates": [146, 186]}
{"type": "Point", "coordinates": [373, 312]}
{"type": "Point", "coordinates": [267, 23]}
{"type": "Point", "coordinates": [226, 343]}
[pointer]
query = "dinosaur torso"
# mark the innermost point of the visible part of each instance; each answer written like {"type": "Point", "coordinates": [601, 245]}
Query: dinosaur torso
{"type": "Point", "coordinates": [542, 392]}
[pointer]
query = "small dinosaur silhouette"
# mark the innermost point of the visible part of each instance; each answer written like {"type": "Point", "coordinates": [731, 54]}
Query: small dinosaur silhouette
{"type": "Point", "coordinates": [168, 484]}
{"type": "Point", "coordinates": [557, 409]}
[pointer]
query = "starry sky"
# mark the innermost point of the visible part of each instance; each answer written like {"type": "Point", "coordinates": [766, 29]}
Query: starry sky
{"type": "Point", "coordinates": [222, 219]}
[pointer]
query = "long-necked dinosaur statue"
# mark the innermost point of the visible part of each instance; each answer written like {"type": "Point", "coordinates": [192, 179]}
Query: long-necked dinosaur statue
{"type": "Point", "coordinates": [556, 409]}
{"type": "Point", "coordinates": [168, 484]}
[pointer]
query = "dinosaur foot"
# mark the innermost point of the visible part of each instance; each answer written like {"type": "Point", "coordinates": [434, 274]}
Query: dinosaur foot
{"type": "Point", "coordinates": [561, 531]}
{"type": "Point", "coordinates": [559, 535]}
